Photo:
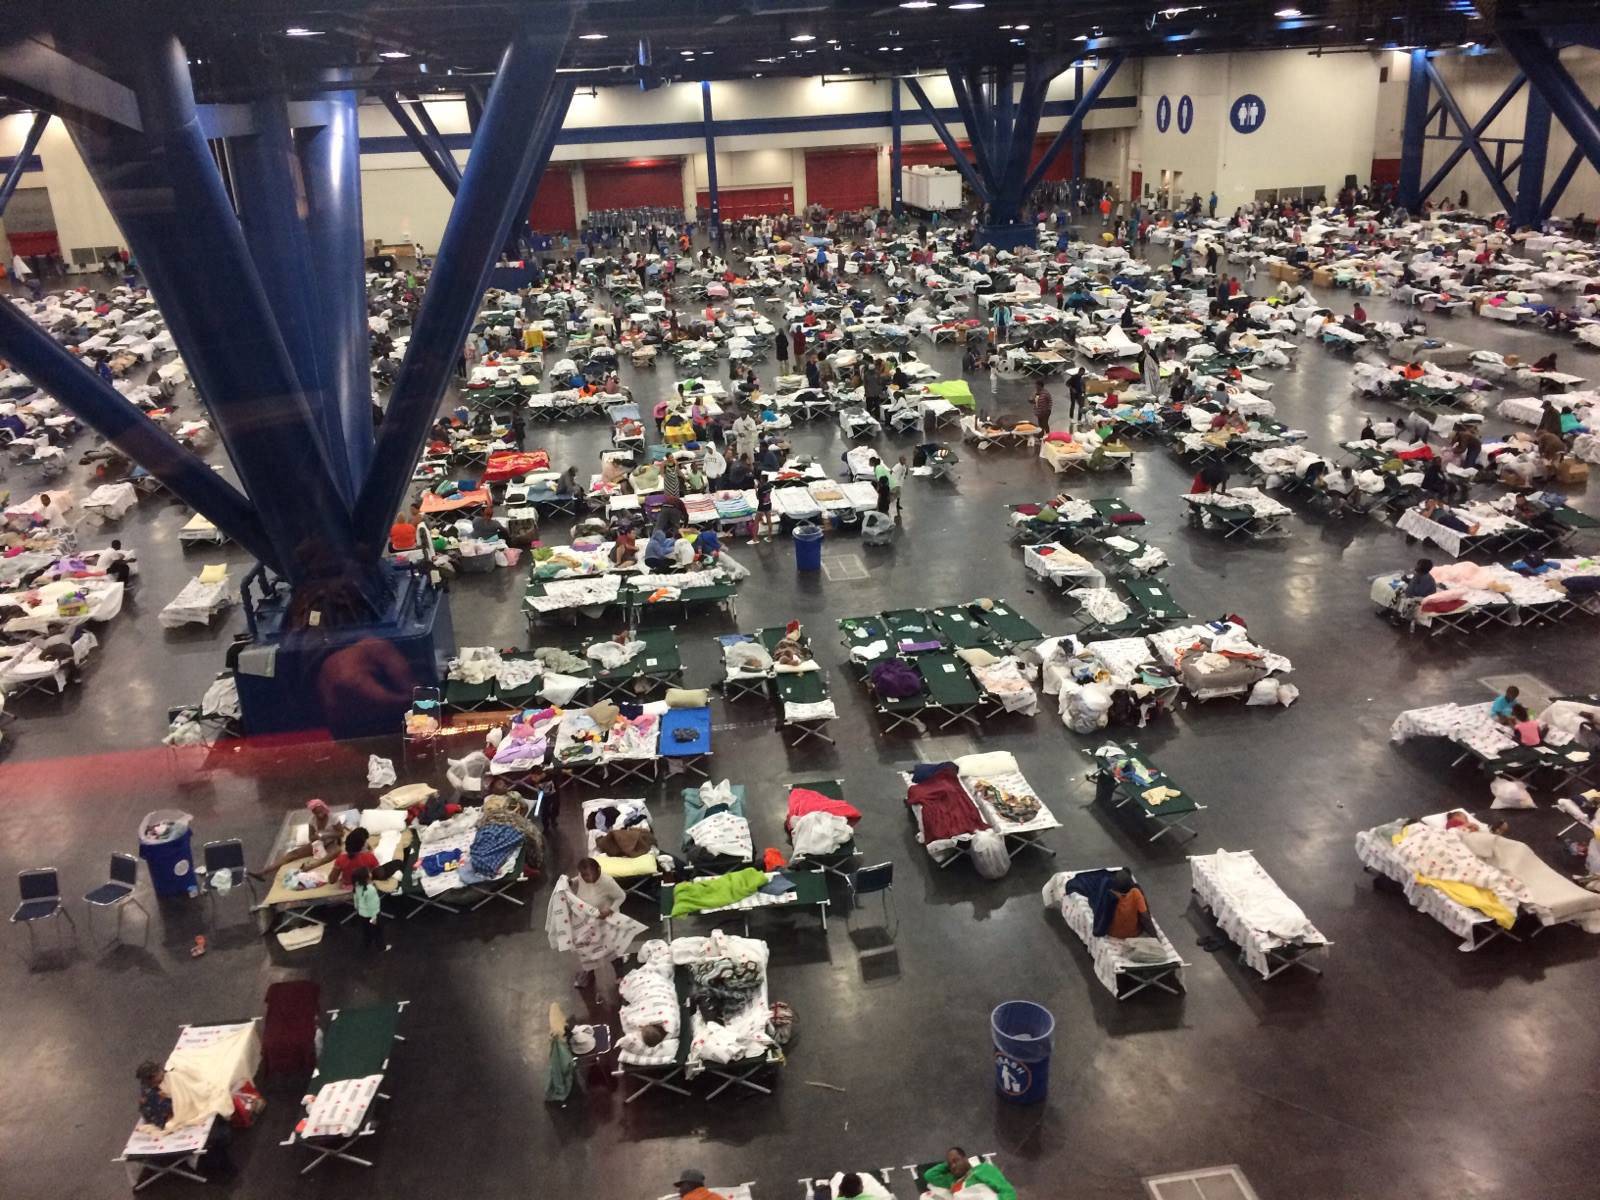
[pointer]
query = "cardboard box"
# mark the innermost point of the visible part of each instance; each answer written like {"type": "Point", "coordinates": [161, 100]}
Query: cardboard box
{"type": "Point", "coordinates": [1286, 272]}
{"type": "Point", "coordinates": [1572, 470]}
{"type": "Point", "coordinates": [1099, 387]}
{"type": "Point", "coordinates": [1322, 277]}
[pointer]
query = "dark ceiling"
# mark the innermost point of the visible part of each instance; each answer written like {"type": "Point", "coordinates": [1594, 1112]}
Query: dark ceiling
{"type": "Point", "coordinates": [441, 44]}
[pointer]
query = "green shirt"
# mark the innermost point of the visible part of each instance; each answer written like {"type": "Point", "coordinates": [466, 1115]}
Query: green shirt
{"type": "Point", "coordinates": [367, 902]}
{"type": "Point", "coordinates": [985, 1173]}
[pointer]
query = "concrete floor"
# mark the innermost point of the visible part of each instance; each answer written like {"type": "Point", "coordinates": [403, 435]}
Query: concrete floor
{"type": "Point", "coordinates": [1409, 1069]}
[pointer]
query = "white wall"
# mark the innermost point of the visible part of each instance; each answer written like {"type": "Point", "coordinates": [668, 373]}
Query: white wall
{"type": "Point", "coordinates": [82, 218]}
{"type": "Point", "coordinates": [1476, 81]}
{"type": "Point", "coordinates": [1321, 112]}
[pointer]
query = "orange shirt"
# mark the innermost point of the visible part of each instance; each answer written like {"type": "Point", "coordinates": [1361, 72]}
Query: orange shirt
{"type": "Point", "coordinates": [1125, 921]}
{"type": "Point", "coordinates": [403, 535]}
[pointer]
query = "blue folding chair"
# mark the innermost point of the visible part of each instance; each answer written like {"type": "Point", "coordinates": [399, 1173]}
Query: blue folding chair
{"type": "Point", "coordinates": [40, 892]}
{"type": "Point", "coordinates": [117, 892]}
{"type": "Point", "coordinates": [864, 882]}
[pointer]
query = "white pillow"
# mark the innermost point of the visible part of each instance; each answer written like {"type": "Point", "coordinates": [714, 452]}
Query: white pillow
{"type": "Point", "coordinates": [383, 820]}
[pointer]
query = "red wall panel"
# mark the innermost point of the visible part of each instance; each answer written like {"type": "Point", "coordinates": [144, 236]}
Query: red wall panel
{"type": "Point", "coordinates": [648, 182]}
{"type": "Point", "coordinates": [933, 154]}
{"type": "Point", "coordinates": [842, 179]}
{"type": "Point", "coordinates": [748, 202]}
{"type": "Point", "coordinates": [43, 242]}
{"type": "Point", "coordinates": [553, 210]}
{"type": "Point", "coordinates": [1386, 170]}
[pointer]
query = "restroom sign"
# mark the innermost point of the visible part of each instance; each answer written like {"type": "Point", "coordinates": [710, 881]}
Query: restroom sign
{"type": "Point", "coordinates": [1163, 114]}
{"type": "Point", "coordinates": [1248, 114]}
{"type": "Point", "coordinates": [1185, 114]}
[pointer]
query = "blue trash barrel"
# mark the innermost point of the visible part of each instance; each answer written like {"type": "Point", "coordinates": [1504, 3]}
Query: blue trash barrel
{"type": "Point", "coordinates": [166, 845]}
{"type": "Point", "coordinates": [808, 547]}
{"type": "Point", "coordinates": [1022, 1032]}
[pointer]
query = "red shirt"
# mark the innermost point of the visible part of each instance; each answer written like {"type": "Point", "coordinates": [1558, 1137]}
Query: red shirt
{"type": "Point", "coordinates": [348, 866]}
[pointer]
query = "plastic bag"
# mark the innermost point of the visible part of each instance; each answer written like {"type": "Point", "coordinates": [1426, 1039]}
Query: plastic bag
{"type": "Point", "coordinates": [989, 855]}
{"type": "Point", "coordinates": [1265, 692]}
{"type": "Point", "coordinates": [1084, 710]}
{"type": "Point", "coordinates": [380, 772]}
{"type": "Point", "coordinates": [1509, 793]}
{"type": "Point", "coordinates": [1287, 694]}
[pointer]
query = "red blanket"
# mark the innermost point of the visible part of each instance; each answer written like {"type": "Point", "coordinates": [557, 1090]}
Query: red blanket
{"type": "Point", "coordinates": [804, 800]}
{"type": "Point", "coordinates": [947, 811]}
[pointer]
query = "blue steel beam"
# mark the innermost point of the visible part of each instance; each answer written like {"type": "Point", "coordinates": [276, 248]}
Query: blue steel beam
{"type": "Point", "coordinates": [551, 119]}
{"type": "Point", "coordinates": [1028, 112]}
{"type": "Point", "coordinates": [1535, 150]}
{"type": "Point", "coordinates": [419, 141]}
{"type": "Point", "coordinates": [896, 200]}
{"type": "Point", "coordinates": [1005, 118]}
{"type": "Point", "coordinates": [499, 173]}
{"type": "Point", "coordinates": [30, 143]}
{"type": "Point", "coordinates": [163, 188]}
{"type": "Point", "coordinates": [435, 138]}
{"type": "Point", "coordinates": [26, 346]}
{"type": "Point", "coordinates": [968, 172]}
{"type": "Point", "coordinates": [1559, 186]}
{"type": "Point", "coordinates": [1460, 150]}
{"type": "Point", "coordinates": [269, 190]}
{"type": "Point", "coordinates": [1561, 92]}
{"type": "Point", "coordinates": [1080, 109]}
{"type": "Point", "coordinates": [1474, 146]}
{"type": "Point", "coordinates": [330, 159]}
{"type": "Point", "coordinates": [969, 102]}
{"type": "Point", "coordinates": [1413, 131]}
{"type": "Point", "coordinates": [714, 218]}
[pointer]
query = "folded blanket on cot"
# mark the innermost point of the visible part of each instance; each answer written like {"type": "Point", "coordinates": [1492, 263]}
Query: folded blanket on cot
{"type": "Point", "coordinates": [1257, 899]}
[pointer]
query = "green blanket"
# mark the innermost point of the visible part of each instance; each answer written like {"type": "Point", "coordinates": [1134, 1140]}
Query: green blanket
{"type": "Point", "coordinates": [981, 1172]}
{"type": "Point", "coordinates": [697, 895]}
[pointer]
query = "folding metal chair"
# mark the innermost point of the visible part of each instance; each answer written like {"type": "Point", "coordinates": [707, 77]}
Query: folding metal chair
{"type": "Point", "coordinates": [878, 878]}
{"type": "Point", "coordinates": [225, 860]}
{"type": "Point", "coordinates": [40, 892]}
{"type": "Point", "coordinates": [117, 892]}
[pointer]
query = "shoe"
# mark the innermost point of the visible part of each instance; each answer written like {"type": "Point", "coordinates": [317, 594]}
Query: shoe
{"type": "Point", "coordinates": [751, 542]}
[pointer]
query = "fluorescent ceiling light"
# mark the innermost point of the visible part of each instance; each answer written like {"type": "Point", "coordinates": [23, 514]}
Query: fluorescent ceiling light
{"type": "Point", "coordinates": [1288, 13]}
{"type": "Point", "coordinates": [393, 54]}
{"type": "Point", "coordinates": [302, 31]}
{"type": "Point", "coordinates": [593, 37]}
{"type": "Point", "coordinates": [1082, 37]}
{"type": "Point", "coordinates": [965, 5]}
{"type": "Point", "coordinates": [804, 37]}
{"type": "Point", "coordinates": [1022, 28]}
{"type": "Point", "coordinates": [882, 49]}
{"type": "Point", "coordinates": [918, 4]}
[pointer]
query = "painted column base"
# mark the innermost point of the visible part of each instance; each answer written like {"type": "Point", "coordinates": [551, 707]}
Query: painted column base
{"type": "Point", "coordinates": [353, 682]}
{"type": "Point", "coordinates": [1009, 237]}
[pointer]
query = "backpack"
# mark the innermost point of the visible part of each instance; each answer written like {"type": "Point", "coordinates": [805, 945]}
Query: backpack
{"type": "Point", "coordinates": [782, 1022]}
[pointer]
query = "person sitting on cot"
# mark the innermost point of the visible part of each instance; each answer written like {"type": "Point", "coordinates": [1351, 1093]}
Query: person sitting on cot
{"type": "Point", "coordinates": [323, 838]}
{"type": "Point", "coordinates": [1131, 918]}
{"type": "Point", "coordinates": [958, 1172]}
{"type": "Point", "coordinates": [1422, 584]}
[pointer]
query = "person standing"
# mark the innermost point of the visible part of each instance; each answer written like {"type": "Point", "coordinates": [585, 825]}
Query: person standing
{"type": "Point", "coordinates": [369, 909]}
{"type": "Point", "coordinates": [1077, 396]}
{"type": "Point", "coordinates": [780, 347]}
{"type": "Point", "coordinates": [897, 480]}
{"type": "Point", "coordinates": [1042, 405]}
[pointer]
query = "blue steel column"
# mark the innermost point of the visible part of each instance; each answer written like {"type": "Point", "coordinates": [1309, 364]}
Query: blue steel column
{"type": "Point", "coordinates": [1474, 146]}
{"type": "Point", "coordinates": [714, 222]}
{"type": "Point", "coordinates": [551, 119]}
{"type": "Point", "coordinates": [1535, 150]}
{"type": "Point", "coordinates": [498, 175]}
{"type": "Point", "coordinates": [270, 190]}
{"type": "Point", "coordinates": [1558, 187]}
{"type": "Point", "coordinates": [1565, 98]}
{"type": "Point", "coordinates": [1413, 132]}
{"type": "Point", "coordinates": [1080, 109]}
{"type": "Point", "coordinates": [29, 348]}
{"type": "Point", "coordinates": [162, 187]}
{"type": "Point", "coordinates": [896, 200]}
{"type": "Point", "coordinates": [330, 158]}
{"type": "Point", "coordinates": [30, 143]}
{"type": "Point", "coordinates": [976, 116]}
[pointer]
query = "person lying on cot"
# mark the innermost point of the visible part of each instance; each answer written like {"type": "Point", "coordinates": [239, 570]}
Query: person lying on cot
{"type": "Point", "coordinates": [1435, 511]}
{"type": "Point", "coordinates": [957, 1172]}
{"type": "Point", "coordinates": [323, 838]}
